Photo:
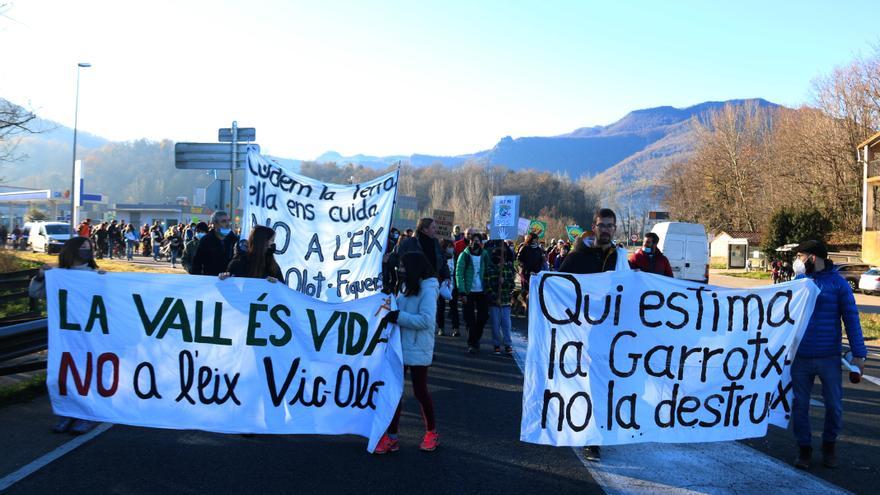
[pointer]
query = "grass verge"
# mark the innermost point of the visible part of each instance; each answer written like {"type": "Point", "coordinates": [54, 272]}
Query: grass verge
{"type": "Point", "coordinates": [40, 259]}
{"type": "Point", "coordinates": [751, 275]}
{"type": "Point", "coordinates": [24, 390]}
{"type": "Point", "coordinates": [870, 325]}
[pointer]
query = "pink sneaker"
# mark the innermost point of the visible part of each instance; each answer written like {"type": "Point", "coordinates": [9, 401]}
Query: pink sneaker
{"type": "Point", "coordinates": [386, 444]}
{"type": "Point", "coordinates": [430, 442]}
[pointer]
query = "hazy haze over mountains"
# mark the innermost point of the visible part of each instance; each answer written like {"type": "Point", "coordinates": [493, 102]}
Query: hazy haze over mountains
{"type": "Point", "coordinates": [629, 155]}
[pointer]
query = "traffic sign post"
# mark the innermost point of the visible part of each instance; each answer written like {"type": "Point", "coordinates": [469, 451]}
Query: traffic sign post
{"type": "Point", "coordinates": [219, 156]}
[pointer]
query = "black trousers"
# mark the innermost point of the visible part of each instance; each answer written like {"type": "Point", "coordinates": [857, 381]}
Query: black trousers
{"type": "Point", "coordinates": [441, 313]}
{"type": "Point", "coordinates": [476, 314]}
{"type": "Point", "coordinates": [453, 310]}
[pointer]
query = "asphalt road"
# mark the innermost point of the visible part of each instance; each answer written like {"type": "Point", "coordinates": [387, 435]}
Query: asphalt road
{"type": "Point", "coordinates": [478, 402]}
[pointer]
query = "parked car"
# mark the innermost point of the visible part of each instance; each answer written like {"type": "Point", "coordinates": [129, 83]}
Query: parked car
{"type": "Point", "coordinates": [852, 272]}
{"type": "Point", "coordinates": [870, 281]}
{"type": "Point", "coordinates": [687, 248]}
{"type": "Point", "coordinates": [48, 237]}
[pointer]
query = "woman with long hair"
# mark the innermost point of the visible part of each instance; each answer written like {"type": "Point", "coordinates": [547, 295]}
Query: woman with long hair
{"type": "Point", "coordinates": [416, 316]}
{"type": "Point", "coordinates": [258, 261]}
{"type": "Point", "coordinates": [77, 253]}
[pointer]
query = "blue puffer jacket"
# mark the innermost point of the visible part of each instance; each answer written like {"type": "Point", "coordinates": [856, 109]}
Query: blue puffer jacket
{"type": "Point", "coordinates": [835, 301]}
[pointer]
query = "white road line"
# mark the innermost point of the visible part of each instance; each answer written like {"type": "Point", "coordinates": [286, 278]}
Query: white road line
{"type": "Point", "coordinates": [871, 379]}
{"type": "Point", "coordinates": [43, 461]}
{"type": "Point", "coordinates": [693, 468]}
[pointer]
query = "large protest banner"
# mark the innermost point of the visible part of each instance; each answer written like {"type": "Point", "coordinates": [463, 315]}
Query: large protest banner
{"type": "Point", "coordinates": [625, 357]}
{"type": "Point", "coordinates": [330, 238]}
{"type": "Point", "coordinates": [231, 356]}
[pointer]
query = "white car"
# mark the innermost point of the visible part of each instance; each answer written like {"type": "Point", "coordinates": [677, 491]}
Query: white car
{"type": "Point", "coordinates": [870, 281]}
{"type": "Point", "coordinates": [48, 237]}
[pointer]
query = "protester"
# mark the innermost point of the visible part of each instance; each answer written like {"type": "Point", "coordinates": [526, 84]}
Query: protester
{"type": "Point", "coordinates": [456, 233]}
{"type": "Point", "coordinates": [258, 261]}
{"type": "Point", "coordinates": [85, 228]}
{"type": "Point", "coordinates": [594, 255]}
{"type": "Point", "coordinates": [175, 245]}
{"type": "Point", "coordinates": [447, 251]}
{"type": "Point", "coordinates": [649, 258]}
{"type": "Point", "coordinates": [215, 250]}
{"type": "Point", "coordinates": [156, 241]}
{"type": "Point", "coordinates": [3, 235]}
{"type": "Point", "coordinates": [499, 283]}
{"type": "Point", "coordinates": [75, 254]}
{"type": "Point", "coordinates": [112, 237]}
{"type": "Point", "coordinates": [131, 241]}
{"type": "Point", "coordinates": [189, 249]}
{"type": "Point", "coordinates": [469, 281]}
{"type": "Point", "coordinates": [101, 236]}
{"type": "Point", "coordinates": [819, 352]}
{"type": "Point", "coordinates": [416, 315]}
{"type": "Point", "coordinates": [390, 262]}
{"type": "Point", "coordinates": [531, 261]}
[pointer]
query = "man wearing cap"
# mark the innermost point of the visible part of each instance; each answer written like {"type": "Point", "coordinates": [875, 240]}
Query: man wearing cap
{"type": "Point", "coordinates": [819, 351]}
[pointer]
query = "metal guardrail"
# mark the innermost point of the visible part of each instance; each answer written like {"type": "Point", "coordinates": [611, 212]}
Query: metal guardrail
{"type": "Point", "coordinates": [15, 285]}
{"type": "Point", "coordinates": [23, 339]}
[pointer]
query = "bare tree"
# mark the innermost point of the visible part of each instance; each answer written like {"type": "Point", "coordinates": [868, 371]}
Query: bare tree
{"type": "Point", "coordinates": [14, 121]}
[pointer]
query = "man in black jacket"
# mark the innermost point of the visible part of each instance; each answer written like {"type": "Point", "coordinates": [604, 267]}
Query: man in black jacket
{"type": "Point", "coordinates": [594, 255]}
{"type": "Point", "coordinates": [216, 248]}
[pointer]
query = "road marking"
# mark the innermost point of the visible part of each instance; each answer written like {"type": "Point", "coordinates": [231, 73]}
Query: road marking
{"type": "Point", "coordinates": [716, 467]}
{"type": "Point", "coordinates": [871, 379]}
{"type": "Point", "coordinates": [41, 462]}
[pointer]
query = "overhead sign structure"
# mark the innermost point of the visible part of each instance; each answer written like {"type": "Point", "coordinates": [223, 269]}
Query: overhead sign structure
{"type": "Point", "coordinates": [244, 134]}
{"type": "Point", "coordinates": [210, 156]}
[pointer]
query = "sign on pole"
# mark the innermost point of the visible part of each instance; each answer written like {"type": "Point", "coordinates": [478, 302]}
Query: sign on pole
{"type": "Point", "coordinates": [505, 214]}
{"type": "Point", "coordinates": [444, 219]}
{"type": "Point", "coordinates": [574, 232]}
{"type": "Point", "coordinates": [522, 227]}
{"type": "Point", "coordinates": [209, 156]}
{"type": "Point", "coordinates": [244, 134]}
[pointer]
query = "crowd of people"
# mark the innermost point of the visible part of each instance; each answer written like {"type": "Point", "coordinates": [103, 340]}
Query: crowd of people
{"type": "Point", "coordinates": [481, 281]}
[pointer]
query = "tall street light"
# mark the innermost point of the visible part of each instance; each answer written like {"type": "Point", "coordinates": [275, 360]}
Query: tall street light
{"type": "Point", "coordinates": [79, 66]}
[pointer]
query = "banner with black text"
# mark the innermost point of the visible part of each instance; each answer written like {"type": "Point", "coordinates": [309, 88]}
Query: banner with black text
{"type": "Point", "coordinates": [329, 238]}
{"type": "Point", "coordinates": [231, 356]}
{"type": "Point", "coordinates": [626, 357]}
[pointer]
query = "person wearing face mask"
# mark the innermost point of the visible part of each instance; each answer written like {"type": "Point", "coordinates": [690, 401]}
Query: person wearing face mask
{"type": "Point", "coordinates": [390, 261]}
{"type": "Point", "coordinates": [819, 351]}
{"type": "Point", "coordinates": [258, 261]}
{"type": "Point", "coordinates": [216, 249]}
{"type": "Point", "coordinates": [469, 276]}
{"type": "Point", "coordinates": [649, 258]}
{"type": "Point", "coordinates": [76, 254]}
{"type": "Point", "coordinates": [189, 249]}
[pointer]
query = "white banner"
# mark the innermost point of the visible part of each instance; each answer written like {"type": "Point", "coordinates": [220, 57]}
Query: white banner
{"type": "Point", "coordinates": [329, 238]}
{"type": "Point", "coordinates": [232, 356]}
{"type": "Point", "coordinates": [627, 357]}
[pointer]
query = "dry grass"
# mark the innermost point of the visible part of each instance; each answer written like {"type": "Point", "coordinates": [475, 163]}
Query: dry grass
{"type": "Point", "coordinates": [870, 325]}
{"type": "Point", "coordinates": [105, 264]}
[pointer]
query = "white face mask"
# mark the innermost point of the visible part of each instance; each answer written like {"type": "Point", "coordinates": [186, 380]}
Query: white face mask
{"type": "Point", "coordinates": [799, 267]}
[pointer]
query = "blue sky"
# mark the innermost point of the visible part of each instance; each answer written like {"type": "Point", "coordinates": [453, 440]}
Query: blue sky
{"type": "Point", "coordinates": [402, 77]}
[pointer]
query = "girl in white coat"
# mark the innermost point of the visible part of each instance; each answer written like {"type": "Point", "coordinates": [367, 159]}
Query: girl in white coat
{"type": "Point", "coordinates": [416, 315]}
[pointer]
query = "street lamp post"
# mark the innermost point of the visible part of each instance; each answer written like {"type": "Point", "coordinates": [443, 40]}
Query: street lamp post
{"type": "Point", "coordinates": [79, 66]}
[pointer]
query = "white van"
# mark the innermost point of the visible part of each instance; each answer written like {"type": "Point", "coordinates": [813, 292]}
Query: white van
{"type": "Point", "coordinates": [687, 248]}
{"type": "Point", "coordinates": [48, 237]}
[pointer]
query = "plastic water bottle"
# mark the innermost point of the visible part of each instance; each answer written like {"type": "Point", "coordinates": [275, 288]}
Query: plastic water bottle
{"type": "Point", "coordinates": [854, 375]}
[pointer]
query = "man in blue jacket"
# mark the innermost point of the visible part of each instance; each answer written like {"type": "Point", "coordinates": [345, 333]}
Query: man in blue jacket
{"type": "Point", "coordinates": [819, 351]}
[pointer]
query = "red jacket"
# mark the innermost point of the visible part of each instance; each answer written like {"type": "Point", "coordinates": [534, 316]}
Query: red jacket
{"type": "Point", "coordinates": [641, 261]}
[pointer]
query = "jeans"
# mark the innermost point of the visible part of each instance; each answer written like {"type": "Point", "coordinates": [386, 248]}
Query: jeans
{"type": "Point", "coordinates": [129, 249]}
{"type": "Point", "coordinates": [476, 313]}
{"type": "Point", "coordinates": [499, 316]}
{"type": "Point", "coordinates": [173, 257]}
{"type": "Point", "coordinates": [156, 248]}
{"type": "Point", "coordinates": [803, 373]}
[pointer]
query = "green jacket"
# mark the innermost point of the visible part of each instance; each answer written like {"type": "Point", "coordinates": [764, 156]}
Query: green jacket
{"type": "Point", "coordinates": [464, 270]}
{"type": "Point", "coordinates": [490, 283]}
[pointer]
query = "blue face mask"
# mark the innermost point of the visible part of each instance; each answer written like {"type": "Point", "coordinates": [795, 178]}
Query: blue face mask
{"type": "Point", "coordinates": [225, 231]}
{"type": "Point", "coordinates": [647, 250]}
{"type": "Point", "coordinates": [199, 235]}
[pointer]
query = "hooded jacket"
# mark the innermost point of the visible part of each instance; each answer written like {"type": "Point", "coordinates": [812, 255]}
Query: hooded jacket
{"type": "Point", "coordinates": [418, 315]}
{"type": "Point", "coordinates": [654, 262]}
{"type": "Point", "coordinates": [586, 258]}
{"type": "Point", "coordinates": [822, 337]}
